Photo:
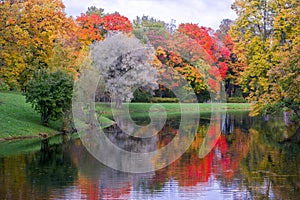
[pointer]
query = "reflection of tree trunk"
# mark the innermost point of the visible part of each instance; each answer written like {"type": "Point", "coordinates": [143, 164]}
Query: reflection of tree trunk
{"type": "Point", "coordinates": [45, 145]}
{"type": "Point", "coordinates": [268, 188]}
{"type": "Point", "coordinates": [227, 124]}
{"type": "Point", "coordinates": [45, 149]}
{"type": "Point", "coordinates": [292, 138]}
{"type": "Point", "coordinates": [266, 117]}
{"type": "Point", "coordinates": [119, 120]}
{"type": "Point", "coordinates": [65, 139]}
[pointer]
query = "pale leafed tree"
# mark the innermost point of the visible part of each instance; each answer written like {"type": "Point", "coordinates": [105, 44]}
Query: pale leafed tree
{"type": "Point", "coordinates": [124, 63]}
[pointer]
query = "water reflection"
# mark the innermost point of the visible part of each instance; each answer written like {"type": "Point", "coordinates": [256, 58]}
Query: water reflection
{"type": "Point", "coordinates": [247, 162]}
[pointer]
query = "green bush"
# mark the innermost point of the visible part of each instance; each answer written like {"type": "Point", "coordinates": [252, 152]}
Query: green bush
{"type": "Point", "coordinates": [163, 100]}
{"type": "Point", "coordinates": [236, 100]}
{"type": "Point", "coordinates": [50, 93]}
{"type": "Point", "coordinates": [4, 86]}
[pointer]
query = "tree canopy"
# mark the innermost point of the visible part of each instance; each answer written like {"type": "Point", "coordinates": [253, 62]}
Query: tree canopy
{"type": "Point", "coordinates": [266, 35]}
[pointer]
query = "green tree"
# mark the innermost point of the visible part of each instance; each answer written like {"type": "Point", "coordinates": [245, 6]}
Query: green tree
{"type": "Point", "coordinates": [96, 11]}
{"type": "Point", "coordinates": [50, 93]}
{"type": "Point", "coordinates": [145, 26]}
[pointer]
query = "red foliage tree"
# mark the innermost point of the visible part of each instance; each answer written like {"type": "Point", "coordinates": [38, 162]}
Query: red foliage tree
{"type": "Point", "coordinates": [116, 22]}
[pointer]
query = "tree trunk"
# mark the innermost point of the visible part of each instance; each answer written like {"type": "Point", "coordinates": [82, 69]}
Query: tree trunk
{"type": "Point", "coordinates": [286, 116]}
{"type": "Point", "coordinates": [118, 103]}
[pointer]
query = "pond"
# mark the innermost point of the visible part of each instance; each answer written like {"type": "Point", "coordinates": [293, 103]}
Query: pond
{"type": "Point", "coordinates": [247, 161]}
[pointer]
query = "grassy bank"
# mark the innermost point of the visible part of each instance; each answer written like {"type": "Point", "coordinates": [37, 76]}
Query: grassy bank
{"type": "Point", "coordinates": [19, 120]}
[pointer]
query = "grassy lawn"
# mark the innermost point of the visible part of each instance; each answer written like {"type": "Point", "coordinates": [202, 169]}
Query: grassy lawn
{"type": "Point", "coordinates": [173, 108]}
{"type": "Point", "coordinates": [18, 119]}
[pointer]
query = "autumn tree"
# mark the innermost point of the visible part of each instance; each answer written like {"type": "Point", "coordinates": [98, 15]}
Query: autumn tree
{"type": "Point", "coordinates": [235, 65]}
{"type": "Point", "coordinates": [116, 22]}
{"type": "Point", "coordinates": [267, 40]}
{"type": "Point", "coordinates": [191, 50]}
{"type": "Point", "coordinates": [29, 31]}
{"type": "Point", "coordinates": [90, 28]}
{"type": "Point", "coordinates": [125, 64]}
{"type": "Point", "coordinates": [216, 54]}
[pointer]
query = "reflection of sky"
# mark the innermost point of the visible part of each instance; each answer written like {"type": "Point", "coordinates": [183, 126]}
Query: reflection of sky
{"type": "Point", "coordinates": [207, 13]}
{"type": "Point", "coordinates": [210, 190]}
{"type": "Point", "coordinates": [171, 190]}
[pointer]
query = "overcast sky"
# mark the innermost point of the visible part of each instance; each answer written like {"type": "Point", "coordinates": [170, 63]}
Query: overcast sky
{"type": "Point", "coordinates": [207, 13]}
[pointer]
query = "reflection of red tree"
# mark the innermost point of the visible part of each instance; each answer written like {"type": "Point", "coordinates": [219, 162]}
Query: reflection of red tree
{"type": "Point", "coordinates": [196, 170]}
{"type": "Point", "coordinates": [117, 193]}
{"type": "Point", "coordinates": [89, 188]}
{"type": "Point", "coordinates": [166, 135]}
{"type": "Point", "coordinates": [228, 163]}
{"type": "Point", "coordinates": [189, 170]}
{"type": "Point", "coordinates": [224, 165]}
{"type": "Point", "coordinates": [222, 161]}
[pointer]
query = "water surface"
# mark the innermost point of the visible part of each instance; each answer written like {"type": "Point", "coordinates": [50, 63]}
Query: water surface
{"type": "Point", "coordinates": [247, 162]}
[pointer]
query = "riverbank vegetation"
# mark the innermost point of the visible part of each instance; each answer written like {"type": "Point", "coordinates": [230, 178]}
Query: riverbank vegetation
{"type": "Point", "coordinates": [20, 121]}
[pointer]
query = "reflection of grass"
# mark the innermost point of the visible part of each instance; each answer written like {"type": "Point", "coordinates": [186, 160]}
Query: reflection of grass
{"type": "Point", "coordinates": [25, 146]}
{"type": "Point", "coordinates": [18, 119]}
{"type": "Point", "coordinates": [105, 122]}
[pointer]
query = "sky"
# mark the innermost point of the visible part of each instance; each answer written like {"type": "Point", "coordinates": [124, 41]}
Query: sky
{"type": "Point", "coordinates": [208, 13]}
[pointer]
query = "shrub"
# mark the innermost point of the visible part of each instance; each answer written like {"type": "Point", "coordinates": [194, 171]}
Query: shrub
{"type": "Point", "coordinates": [50, 93]}
{"type": "Point", "coordinates": [4, 86]}
{"type": "Point", "coordinates": [163, 100]}
{"type": "Point", "coordinates": [141, 96]}
{"type": "Point", "coordinates": [236, 100]}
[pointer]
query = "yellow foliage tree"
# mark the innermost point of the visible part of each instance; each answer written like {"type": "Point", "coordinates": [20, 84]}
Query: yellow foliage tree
{"type": "Point", "coordinates": [35, 34]}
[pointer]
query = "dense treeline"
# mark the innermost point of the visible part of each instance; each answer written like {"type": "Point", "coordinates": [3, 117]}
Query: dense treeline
{"type": "Point", "coordinates": [256, 56]}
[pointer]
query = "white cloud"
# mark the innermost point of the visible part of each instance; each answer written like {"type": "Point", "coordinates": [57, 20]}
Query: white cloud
{"type": "Point", "coordinates": [207, 13]}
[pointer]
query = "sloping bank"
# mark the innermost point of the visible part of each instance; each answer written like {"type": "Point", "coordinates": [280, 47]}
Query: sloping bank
{"type": "Point", "coordinates": [18, 120]}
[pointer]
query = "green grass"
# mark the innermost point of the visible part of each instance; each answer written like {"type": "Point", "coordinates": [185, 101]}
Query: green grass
{"type": "Point", "coordinates": [173, 108]}
{"type": "Point", "coordinates": [18, 119]}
